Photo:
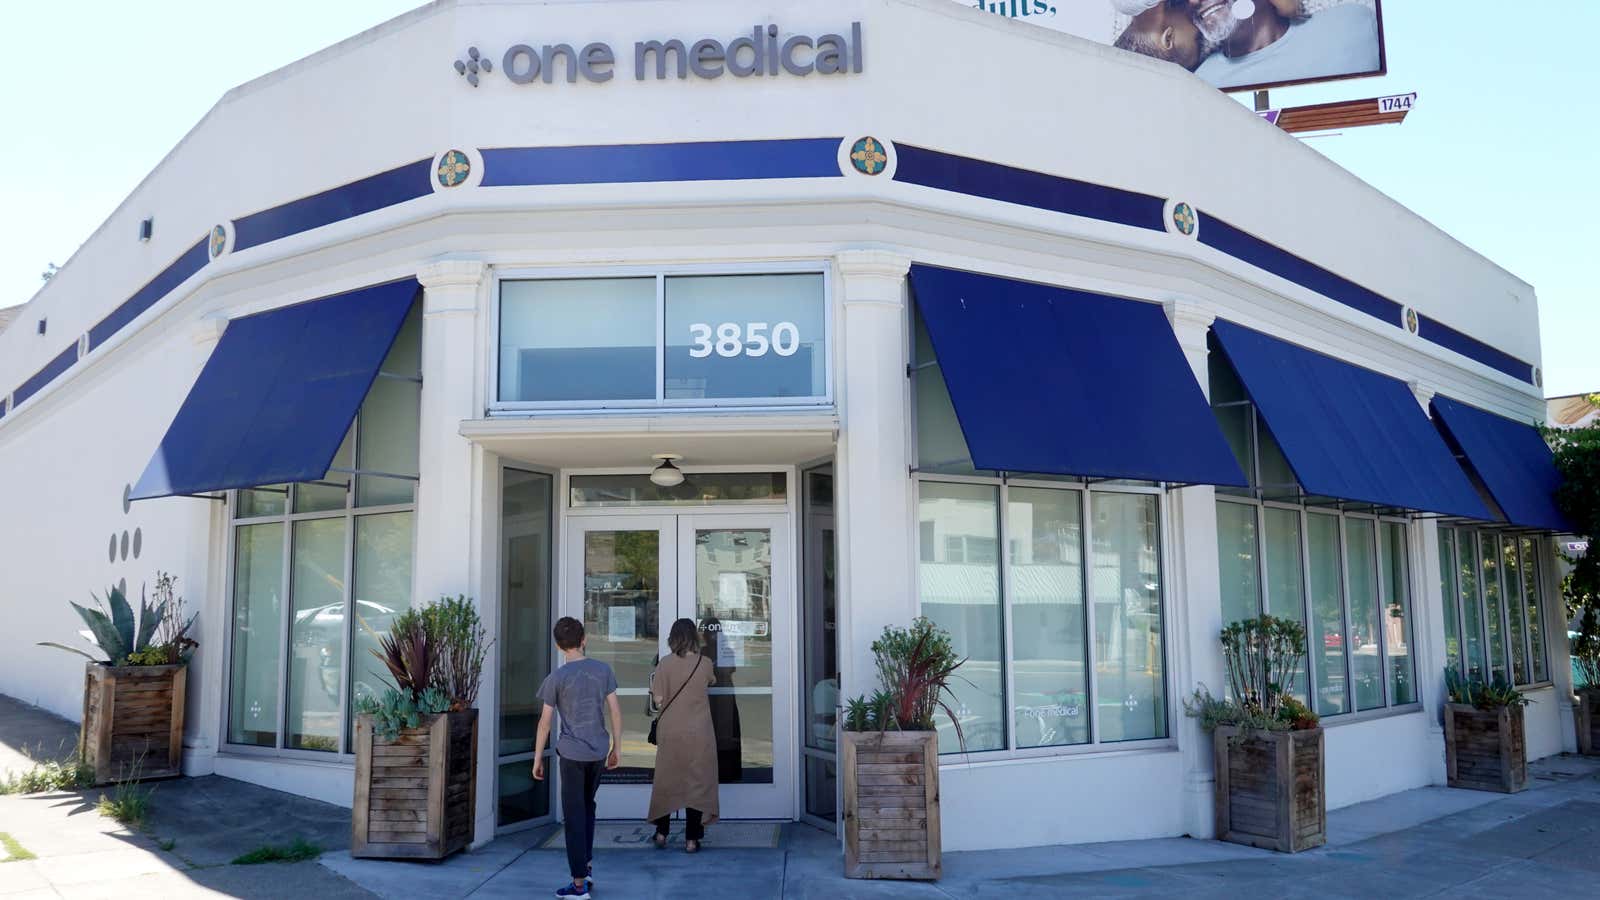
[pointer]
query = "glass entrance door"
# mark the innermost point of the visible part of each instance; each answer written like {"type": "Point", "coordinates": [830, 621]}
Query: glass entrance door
{"type": "Point", "coordinates": [630, 577]}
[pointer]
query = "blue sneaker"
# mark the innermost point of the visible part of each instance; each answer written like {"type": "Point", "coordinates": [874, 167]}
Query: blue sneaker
{"type": "Point", "coordinates": [570, 891]}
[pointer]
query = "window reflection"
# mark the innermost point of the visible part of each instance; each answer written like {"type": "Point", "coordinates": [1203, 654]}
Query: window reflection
{"type": "Point", "coordinates": [960, 584]}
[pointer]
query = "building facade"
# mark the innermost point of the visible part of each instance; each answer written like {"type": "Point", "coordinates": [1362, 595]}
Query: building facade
{"type": "Point", "coordinates": [937, 313]}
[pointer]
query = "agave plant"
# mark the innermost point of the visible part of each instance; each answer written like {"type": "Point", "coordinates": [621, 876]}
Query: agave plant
{"type": "Point", "coordinates": [113, 628]}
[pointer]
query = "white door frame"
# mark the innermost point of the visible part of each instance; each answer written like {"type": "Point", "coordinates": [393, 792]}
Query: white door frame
{"type": "Point", "coordinates": [676, 527]}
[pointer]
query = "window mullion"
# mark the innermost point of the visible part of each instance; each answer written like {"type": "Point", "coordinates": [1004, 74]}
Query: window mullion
{"type": "Point", "coordinates": [1008, 673]}
{"type": "Point", "coordinates": [1260, 513]}
{"type": "Point", "coordinates": [661, 338]}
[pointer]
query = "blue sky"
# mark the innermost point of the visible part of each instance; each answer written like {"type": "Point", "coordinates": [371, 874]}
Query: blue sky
{"type": "Point", "coordinates": [1501, 151]}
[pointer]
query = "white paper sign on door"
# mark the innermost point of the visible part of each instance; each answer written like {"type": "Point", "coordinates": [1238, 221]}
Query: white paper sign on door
{"type": "Point", "coordinates": [622, 624]}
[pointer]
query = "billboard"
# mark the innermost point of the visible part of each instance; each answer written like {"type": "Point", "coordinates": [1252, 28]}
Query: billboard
{"type": "Point", "coordinates": [1234, 45]}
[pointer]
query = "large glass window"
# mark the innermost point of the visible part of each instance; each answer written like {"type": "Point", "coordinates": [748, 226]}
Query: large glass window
{"type": "Point", "coordinates": [961, 592]}
{"type": "Point", "coordinates": [1047, 621]}
{"type": "Point", "coordinates": [664, 340]}
{"type": "Point", "coordinates": [320, 569]}
{"type": "Point", "coordinates": [746, 336]}
{"type": "Point", "coordinates": [1068, 647]}
{"type": "Point", "coordinates": [590, 339]}
{"type": "Point", "coordinates": [1312, 564]}
{"type": "Point", "coordinates": [1344, 575]}
{"type": "Point", "coordinates": [525, 650]}
{"type": "Point", "coordinates": [1327, 634]}
{"type": "Point", "coordinates": [1496, 594]}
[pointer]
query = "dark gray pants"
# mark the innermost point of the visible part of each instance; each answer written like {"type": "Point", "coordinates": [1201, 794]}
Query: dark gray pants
{"type": "Point", "coordinates": [579, 782]}
{"type": "Point", "coordinates": [693, 830]}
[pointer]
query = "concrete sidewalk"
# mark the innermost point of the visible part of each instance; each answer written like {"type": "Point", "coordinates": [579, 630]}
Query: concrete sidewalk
{"type": "Point", "coordinates": [1426, 842]}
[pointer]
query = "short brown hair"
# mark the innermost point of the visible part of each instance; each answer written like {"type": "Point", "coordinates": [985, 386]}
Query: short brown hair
{"type": "Point", "coordinates": [684, 638]}
{"type": "Point", "coordinates": [568, 633]}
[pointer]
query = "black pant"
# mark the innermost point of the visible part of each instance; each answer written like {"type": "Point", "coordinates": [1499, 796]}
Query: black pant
{"type": "Point", "coordinates": [693, 829]}
{"type": "Point", "coordinates": [579, 781]}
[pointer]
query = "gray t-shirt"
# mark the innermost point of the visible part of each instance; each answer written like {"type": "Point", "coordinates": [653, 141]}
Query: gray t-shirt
{"type": "Point", "coordinates": [578, 690]}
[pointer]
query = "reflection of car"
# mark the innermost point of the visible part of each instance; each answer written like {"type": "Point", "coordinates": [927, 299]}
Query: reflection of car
{"type": "Point", "coordinates": [1333, 641]}
{"type": "Point", "coordinates": [324, 625]}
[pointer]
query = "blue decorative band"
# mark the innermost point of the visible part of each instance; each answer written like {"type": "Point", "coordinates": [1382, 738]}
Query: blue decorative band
{"type": "Point", "coordinates": [980, 178]}
{"type": "Point", "coordinates": [765, 159]}
{"type": "Point", "coordinates": [192, 261]}
{"type": "Point", "coordinates": [634, 163]}
{"type": "Point", "coordinates": [1246, 247]}
{"type": "Point", "coordinates": [346, 201]}
{"type": "Point", "coordinates": [1472, 348]}
{"type": "Point", "coordinates": [51, 371]}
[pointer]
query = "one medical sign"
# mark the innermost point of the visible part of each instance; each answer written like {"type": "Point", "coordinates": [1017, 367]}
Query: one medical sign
{"type": "Point", "coordinates": [1234, 45]}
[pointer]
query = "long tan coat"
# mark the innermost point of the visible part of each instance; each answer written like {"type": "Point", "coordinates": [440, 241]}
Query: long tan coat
{"type": "Point", "coordinates": [686, 752]}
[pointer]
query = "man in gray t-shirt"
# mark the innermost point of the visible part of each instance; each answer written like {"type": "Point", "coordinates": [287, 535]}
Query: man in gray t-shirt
{"type": "Point", "coordinates": [584, 692]}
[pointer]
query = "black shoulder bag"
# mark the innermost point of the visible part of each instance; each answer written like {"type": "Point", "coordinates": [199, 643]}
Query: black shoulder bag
{"type": "Point", "coordinates": [657, 720]}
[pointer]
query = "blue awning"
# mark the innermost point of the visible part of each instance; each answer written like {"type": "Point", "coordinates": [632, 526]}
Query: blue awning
{"type": "Point", "coordinates": [1348, 433]}
{"type": "Point", "coordinates": [278, 394]}
{"type": "Point", "coordinates": [1510, 458]}
{"type": "Point", "coordinates": [1056, 381]}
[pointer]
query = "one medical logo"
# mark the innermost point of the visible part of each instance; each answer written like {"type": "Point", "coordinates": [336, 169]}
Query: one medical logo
{"type": "Point", "coordinates": [472, 65]}
{"type": "Point", "coordinates": [764, 50]}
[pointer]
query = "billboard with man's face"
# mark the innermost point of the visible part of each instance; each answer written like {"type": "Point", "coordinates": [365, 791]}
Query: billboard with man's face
{"type": "Point", "coordinates": [1234, 45]}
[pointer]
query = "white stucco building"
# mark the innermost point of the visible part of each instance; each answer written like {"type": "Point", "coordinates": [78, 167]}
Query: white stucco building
{"type": "Point", "coordinates": [924, 342]}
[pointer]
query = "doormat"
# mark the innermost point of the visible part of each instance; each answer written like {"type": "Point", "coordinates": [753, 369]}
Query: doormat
{"type": "Point", "coordinates": [636, 836]}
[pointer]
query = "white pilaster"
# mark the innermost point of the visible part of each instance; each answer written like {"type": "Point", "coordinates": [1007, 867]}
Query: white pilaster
{"type": "Point", "coordinates": [873, 462]}
{"type": "Point", "coordinates": [449, 501]}
{"type": "Point", "coordinates": [1196, 592]}
{"type": "Point", "coordinates": [444, 494]}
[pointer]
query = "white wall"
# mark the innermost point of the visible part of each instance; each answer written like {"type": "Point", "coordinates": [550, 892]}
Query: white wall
{"type": "Point", "coordinates": [1064, 800]}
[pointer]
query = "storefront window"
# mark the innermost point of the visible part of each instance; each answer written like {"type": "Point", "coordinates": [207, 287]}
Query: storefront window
{"type": "Point", "coordinates": [745, 336]}
{"type": "Point", "coordinates": [1327, 634]}
{"type": "Point", "coordinates": [961, 592]}
{"type": "Point", "coordinates": [590, 339]}
{"type": "Point", "coordinates": [1309, 585]}
{"type": "Point", "coordinates": [1050, 660]}
{"type": "Point", "coordinates": [1081, 601]}
{"type": "Point", "coordinates": [320, 570]}
{"type": "Point", "coordinates": [1396, 613]}
{"type": "Point", "coordinates": [1496, 595]}
{"type": "Point", "coordinates": [663, 340]}
{"type": "Point", "coordinates": [526, 522]}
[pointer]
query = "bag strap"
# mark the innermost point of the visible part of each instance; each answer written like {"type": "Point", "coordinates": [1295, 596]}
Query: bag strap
{"type": "Point", "coordinates": [697, 661]}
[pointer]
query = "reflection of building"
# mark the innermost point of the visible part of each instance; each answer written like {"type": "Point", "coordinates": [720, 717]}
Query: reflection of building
{"type": "Point", "coordinates": [1040, 441]}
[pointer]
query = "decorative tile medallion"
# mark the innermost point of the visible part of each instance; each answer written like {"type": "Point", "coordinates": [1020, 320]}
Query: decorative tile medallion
{"type": "Point", "coordinates": [219, 241]}
{"type": "Point", "coordinates": [1411, 320]}
{"type": "Point", "coordinates": [454, 167]}
{"type": "Point", "coordinates": [1184, 219]}
{"type": "Point", "coordinates": [869, 156]}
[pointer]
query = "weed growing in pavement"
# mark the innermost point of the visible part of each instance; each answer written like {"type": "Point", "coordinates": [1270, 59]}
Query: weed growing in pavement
{"type": "Point", "coordinates": [15, 852]}
{"type": "Point", "coordinates": [299, 850]}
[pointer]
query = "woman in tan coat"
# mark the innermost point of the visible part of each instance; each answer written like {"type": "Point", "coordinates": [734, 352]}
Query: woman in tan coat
{"type": "Point", "coordinates": [686, 747]}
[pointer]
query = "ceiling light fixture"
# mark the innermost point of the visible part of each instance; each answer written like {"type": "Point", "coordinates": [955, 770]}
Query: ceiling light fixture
{"type": "Point", "coordinates": [667, 474]}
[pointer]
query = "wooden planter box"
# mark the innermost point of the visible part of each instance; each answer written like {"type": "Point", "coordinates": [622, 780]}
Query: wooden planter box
{"type": "Point", "coordinates": [891, 804]}
{"type": "Point", "coordinates": [415, 796]}
{"type": "Point", "coordinates": [1270, 789]}
{"type": "Point", "coordinates": [1486, 749]}
{"type": "Point", "coordinates": [1587, 714]}
{"type": "Point", "coordinates": [132, 721]}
